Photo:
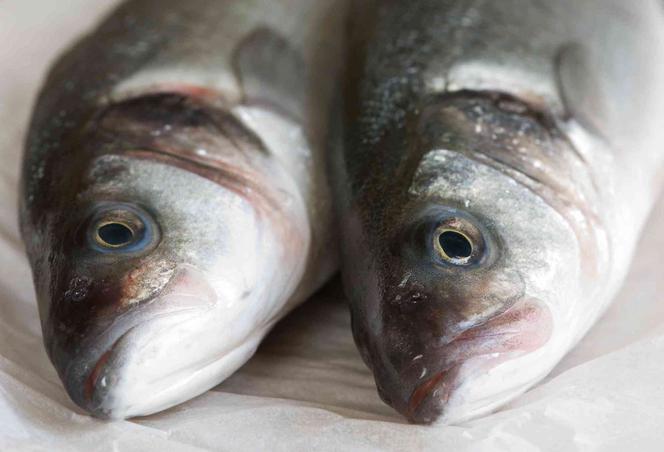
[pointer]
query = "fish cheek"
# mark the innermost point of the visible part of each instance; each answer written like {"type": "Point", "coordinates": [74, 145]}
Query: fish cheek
{"type": "Point", "coordinates": [87, 288]}
{"type": "Point", "coordinates": [82, 305]}
{"type": "Point", "coordinates": [472, 296]}
{"type": "Point", "coordinates": [430, 306]}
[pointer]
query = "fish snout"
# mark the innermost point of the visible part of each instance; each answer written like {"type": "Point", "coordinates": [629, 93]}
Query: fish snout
{"type": "Point", "coordinates": [91, 380]}
{"type": "Point", "coordinates": [108, 363]}
{"type": "Point", "coordinates": [427, 380]}
{"type": "Point", "coordinates": [122, 377]}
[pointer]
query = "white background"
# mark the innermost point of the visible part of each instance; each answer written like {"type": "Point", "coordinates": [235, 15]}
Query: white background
{"type": "Point", "coordinates": [307, 387]}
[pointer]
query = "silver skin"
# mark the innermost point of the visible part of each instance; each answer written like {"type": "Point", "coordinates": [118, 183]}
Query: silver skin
{"type": "Point", "coordinates": [531, 131]}
{"type": "Point", "coordinates": [174, 202]}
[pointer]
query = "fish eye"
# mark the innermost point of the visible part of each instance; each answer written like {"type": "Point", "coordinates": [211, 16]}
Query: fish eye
{"type": "Point", "coordinates": [121, 228]}
{"type": "Point", "coordinates": [458, 241]}
{"type": "Point", "coordinates": [114, 235]}
{"type": "Point", "coordinates": [454, 246]}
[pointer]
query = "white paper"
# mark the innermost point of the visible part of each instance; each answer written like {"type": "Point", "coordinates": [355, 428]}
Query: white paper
{"type": "Point", "coordinates": [307, 388]}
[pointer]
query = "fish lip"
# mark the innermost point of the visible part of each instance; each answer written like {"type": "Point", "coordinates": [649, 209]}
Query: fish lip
{"type": "Point", "coordinates": [421, 408]}
{"type": "Point", "coordinates": [428, 400]}
{"type": "Point", "coordinates": [93, 397]}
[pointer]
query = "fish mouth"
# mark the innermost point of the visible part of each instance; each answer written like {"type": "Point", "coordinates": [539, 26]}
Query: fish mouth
{"type": "Point", "coordinates": [520, 330]}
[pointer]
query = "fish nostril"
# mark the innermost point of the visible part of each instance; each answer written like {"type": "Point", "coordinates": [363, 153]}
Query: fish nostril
{"type": "Point", "coordinates": [78, 289]}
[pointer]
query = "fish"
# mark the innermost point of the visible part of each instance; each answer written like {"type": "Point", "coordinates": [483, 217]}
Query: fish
{"type": "Point", "coordinates": [494, 165]}
{"type": "Point", "coordinates": [174, 198]}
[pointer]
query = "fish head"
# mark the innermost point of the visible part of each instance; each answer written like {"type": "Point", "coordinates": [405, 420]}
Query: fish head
{"type": "Point", "coordinates": [158, 270]}
{"type": "Point", "coordinates": [470, 280]}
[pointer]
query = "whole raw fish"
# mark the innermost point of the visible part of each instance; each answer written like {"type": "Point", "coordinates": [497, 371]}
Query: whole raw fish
{"type": "Point", "coordinates": [175, 203]}
{"type": "Point", "coordinates": [500, 159]}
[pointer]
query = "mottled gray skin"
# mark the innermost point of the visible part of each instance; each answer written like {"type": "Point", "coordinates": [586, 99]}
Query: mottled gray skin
{"type": "Point", "coordinates": [533, 128]}
{"type": "Point", "coordinates": [160, 114]}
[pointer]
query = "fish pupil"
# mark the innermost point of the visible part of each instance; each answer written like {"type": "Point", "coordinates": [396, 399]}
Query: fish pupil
{"type": "Point", "coordinates": [115, 234]}
{"type": "Point", "coordinates": [455, 245]}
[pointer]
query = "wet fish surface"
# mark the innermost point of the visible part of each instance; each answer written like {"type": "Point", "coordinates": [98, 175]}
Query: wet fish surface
{"type": "Point", "coordinates": [499, 160]}
{"type": "Point", "coordinates": [174, 197]}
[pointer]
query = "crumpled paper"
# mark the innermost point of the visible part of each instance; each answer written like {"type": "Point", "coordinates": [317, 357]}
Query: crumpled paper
{"type": "Point", "coordinates": [307, 388]}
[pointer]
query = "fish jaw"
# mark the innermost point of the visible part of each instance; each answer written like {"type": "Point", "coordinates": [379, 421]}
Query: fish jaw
{"type": "Point", "coordinates": [93, 357]}
{"type": "Point", "coordinates": [432, 370]}
{"type": "Point", "coordinates": [159, 352]}
{"type": "Point", "coordinates": [430, 353]}
{"type": "Point", "coordinates": [146, 372]}
{"type": "Point", "coordinates": [444, 396]}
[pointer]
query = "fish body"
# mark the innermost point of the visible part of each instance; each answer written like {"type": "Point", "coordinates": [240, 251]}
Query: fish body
{"type": "Point", "coordinates": [174, 196]}
{"type": "Point", "coordinates": [498, 162]}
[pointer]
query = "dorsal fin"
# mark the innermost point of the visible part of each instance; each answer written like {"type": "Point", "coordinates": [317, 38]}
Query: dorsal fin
{"type": "Point", "coordinates": [271, 71]}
